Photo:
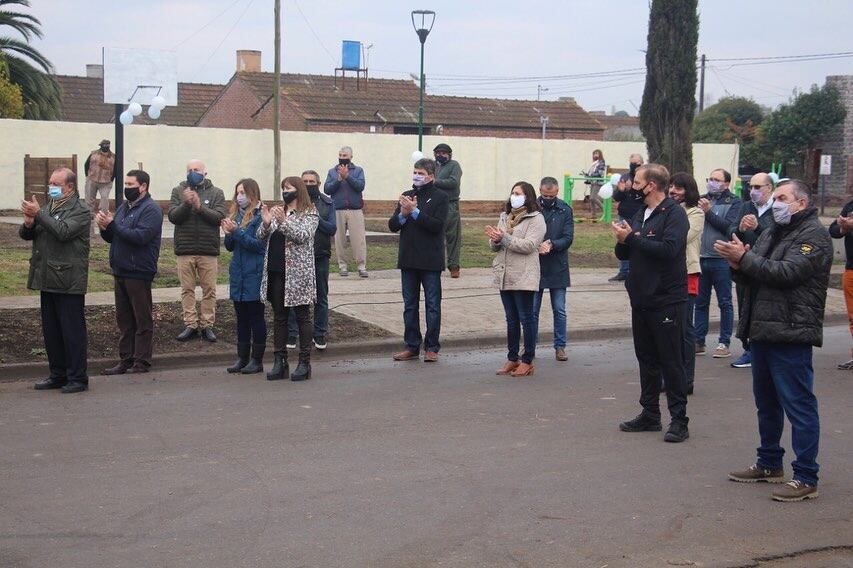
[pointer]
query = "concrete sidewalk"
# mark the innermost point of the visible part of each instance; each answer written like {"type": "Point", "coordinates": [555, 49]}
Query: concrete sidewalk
{"type": "Point", "coordinates": [471, 306]}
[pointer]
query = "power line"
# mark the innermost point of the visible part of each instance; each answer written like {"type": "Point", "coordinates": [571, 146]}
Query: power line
{"type": "Point", "coordinates": [311, 28]}
{"type": "Point", "coordinates": [204, 27]}
{"type": "Point", "coordinates": [769, 58]}
{"type": "Point", "coordinates": [225, 37]}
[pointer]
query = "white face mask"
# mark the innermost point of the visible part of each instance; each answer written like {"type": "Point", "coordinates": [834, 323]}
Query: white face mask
{"type": "Point", "coordinates": [516, 201]}
{"type": "Point", "coordinates": [781, 212]}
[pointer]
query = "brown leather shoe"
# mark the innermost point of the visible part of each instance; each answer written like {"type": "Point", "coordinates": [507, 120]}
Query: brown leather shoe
{"type": "Point", "coordinates": [523, 370]}
{"type": "Point", "coordinates": [560, 354]}
{"type": "Point", "coordinates": [430, 357]}
{"type": "Point", "coordinates": [406, 356]}
{"type": "Point", "coordinates": [454, 272]}
{"type": "Point", "coordinates": [508, 368]}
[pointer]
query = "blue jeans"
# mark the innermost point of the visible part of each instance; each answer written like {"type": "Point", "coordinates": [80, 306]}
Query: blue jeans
{"type": "Point", "coordinates": [518, 307]}
{"type": "Point", "coordinates": [321, 306]}
{"type": "Point", "coordinates": [558, 306]}
{"type": "Point", "coordinates": [782, 379]}
{"type": "Point", "coordinates": [716, 274]}
{"type": "Point", "coordinates": [412, 282]}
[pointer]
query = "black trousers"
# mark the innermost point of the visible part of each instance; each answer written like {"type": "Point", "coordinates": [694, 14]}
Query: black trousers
{"type": "Point", "coordinates": [63, 325]}
{"type": "Point", "coordinates": [740, 292]}
{"type": "Point", "coordinates": [135, 319]}
{"type": "Point", "coordinates": [659, 346]}
{"type": "Point", "coordinates": [275, 294]}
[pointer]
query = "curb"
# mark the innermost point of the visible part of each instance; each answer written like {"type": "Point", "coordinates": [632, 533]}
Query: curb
{"type": "Point", "coordinates": [380, 348]}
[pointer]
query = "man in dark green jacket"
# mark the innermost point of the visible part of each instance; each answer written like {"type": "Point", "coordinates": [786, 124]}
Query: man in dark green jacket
{"type": "Point", "coordinates": [59, 269]}
{"type": "Point", "coordinates": [786, 274]}
{"type": "Point", "coordinates": [448, 177]}
{"type": "Point", "coordinates": [196, 209]}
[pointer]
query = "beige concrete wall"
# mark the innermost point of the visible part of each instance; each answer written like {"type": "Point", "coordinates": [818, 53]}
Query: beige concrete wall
{"type": "Point", "coordinates": [491, 165]}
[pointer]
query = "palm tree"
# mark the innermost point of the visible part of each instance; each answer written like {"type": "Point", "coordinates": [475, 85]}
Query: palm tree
{"type": "Point", "coordinates": [28, 68]}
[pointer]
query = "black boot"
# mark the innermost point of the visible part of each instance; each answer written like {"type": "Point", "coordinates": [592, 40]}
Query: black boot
{"type": "Point", "coordinates": [280, 369]}
{"type": "Point", "coordinates": [242, 358]}
{"type": "Point", "coordinates": [302, 372]}
{"type": "Point", "coordinates": [256, 365]}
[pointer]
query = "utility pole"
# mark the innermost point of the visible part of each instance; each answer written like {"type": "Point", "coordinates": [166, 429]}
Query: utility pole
{"type": "Point", "coordinates": [276, 126]}
{"type": "Point", "coordinates": [702, 84]}
{"type": "Point", "coordinates": [119, 151]}
{"type": "Point", "coordinates": [539, 90]}
{"type": "Point", "coordinates": [544, 121]}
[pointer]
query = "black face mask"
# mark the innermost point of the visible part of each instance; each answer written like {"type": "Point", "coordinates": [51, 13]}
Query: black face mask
{"type": "Point", "coordinates": [105, 149]}
{"type": "Point", "coordinates": [288, 196]}
{"type": "Point", "coordinates": [343, 161]}
{"type": "Point", "coordinates": [633, 168]}
{"type": "Point", "coordinates": [313, 191]}
{"type": "Point", "coordinates": [132, 193]}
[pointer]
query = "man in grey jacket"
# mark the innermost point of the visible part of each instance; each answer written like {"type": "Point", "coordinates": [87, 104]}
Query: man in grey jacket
{"type": "Point", "coordinates": [448, 178]}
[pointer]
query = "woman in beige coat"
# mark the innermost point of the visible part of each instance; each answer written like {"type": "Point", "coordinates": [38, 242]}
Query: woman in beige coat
{"type": "Point", "coordinates": [683, 189]}
{"type": "Point", "coordinates": [516, 239]}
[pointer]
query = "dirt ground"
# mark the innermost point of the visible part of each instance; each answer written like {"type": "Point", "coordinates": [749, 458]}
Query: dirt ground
{"type": "Point", "coordinates": [21, 336]}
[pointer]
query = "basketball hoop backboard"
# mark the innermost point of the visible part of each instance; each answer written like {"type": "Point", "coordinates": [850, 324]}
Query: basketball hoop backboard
{"type": "Point", "coordinates": [138, 75]}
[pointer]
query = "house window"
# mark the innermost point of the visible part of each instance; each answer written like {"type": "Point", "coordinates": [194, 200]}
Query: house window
{"type": "Point", "coordinates": [411, 130]}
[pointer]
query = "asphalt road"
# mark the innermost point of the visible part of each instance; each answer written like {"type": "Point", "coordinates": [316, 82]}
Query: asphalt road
{"type": "Point", "coordinates": [382, 464]}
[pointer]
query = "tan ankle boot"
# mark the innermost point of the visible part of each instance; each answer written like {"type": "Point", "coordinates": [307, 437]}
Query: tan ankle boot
{"type": "Point", "coordinates": [508, 368]}
{"type": "Point", "coordinates": [523, 370]}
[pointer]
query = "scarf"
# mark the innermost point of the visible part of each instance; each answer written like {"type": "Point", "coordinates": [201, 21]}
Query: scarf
{"type": "Point", "coordinates": [57, 204]}
{"type": "Point", "coordinates": [514, 218]}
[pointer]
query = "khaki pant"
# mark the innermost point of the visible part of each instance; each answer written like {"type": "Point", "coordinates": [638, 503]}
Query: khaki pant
{"type": "Point", "coordinates": [352, 220]}
{"type": "Point", "coordinates": [93, 189]}
{"type": "Point", "coordinates": [201, 271]}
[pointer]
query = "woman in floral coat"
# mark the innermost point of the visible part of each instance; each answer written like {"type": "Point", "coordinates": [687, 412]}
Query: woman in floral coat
{"type": "Point", "coordinates": [288, 280]}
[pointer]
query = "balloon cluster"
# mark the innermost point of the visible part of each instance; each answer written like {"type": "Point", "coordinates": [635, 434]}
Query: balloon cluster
{"type": "Point", "coordinates": [606, 191]}
{"type": "Point", "coordinates": [158, 103]}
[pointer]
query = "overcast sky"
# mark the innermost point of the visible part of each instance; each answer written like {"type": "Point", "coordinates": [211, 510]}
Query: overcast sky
{"type": "Point", "coordinates": [472, 42]}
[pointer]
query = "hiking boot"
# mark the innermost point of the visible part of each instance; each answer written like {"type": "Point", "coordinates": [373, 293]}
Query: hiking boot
{"type": "Point", "coordinates": [700, 349]}
{"type": "Point", "coordinates": [677, 432]}
{"type": "Point", "coordinates": [743, 362]}
{"type": "Point", "coordinates": [848, 366]}
{"type": "Point", "coordinates": [508, 368]}
{"type": "Point", "coordinates": [754, 474]}
{"type": "Point", "coordinates": [560, 354]}
{"type": "Point", "coordinates": [795, 490]}
{"type": "Point", "coordinates": [722, 351]}
{"type": "Point", "coordinates": [642, 423]}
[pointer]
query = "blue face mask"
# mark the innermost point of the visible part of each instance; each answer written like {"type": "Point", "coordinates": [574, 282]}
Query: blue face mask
{"type": "Point", "coordinates": [54, 191]}
{"type": "Point", "coordinates": [194, 178]}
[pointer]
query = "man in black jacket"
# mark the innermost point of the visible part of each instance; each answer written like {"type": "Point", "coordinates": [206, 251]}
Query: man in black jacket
{"type": "Point", "coordinates": [630, 202]}
{"type": "Point", "coordinates": [754, 217]}
{"type": "Point", "coordinates": [134, 236]}
{"type": "Point", "coordinates": [655, 242]}
{"type": "Point", "coordinates": [420, 217]}
{"type": "Point", "coordinates": [786, 274]}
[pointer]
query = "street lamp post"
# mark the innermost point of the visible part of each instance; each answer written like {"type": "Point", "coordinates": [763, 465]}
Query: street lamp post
{"type": "Point", "coordinates": [422, 21]}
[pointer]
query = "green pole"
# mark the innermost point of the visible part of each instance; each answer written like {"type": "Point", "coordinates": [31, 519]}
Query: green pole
{"type": "Point", "coordinates": [568, 186]}
{"type": "Point", "coordinates": [608, 210]}
{"type": "Point", "coordinates": [421, 107]}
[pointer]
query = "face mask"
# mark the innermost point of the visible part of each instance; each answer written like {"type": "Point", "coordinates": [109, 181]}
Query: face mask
{"type": "Point", "coordinates": [715, 187]}
{"type": "Point", "coordinates": [194, 178]}
{"type": "Point", "coordinates": [516, 201]}
{"type": "Point", "coordinates": [288, 196]}
{"type": "Point", "coordinates": [442, 159]}
{"type": "Point", "coordinates": [781, 212]}
{"type": "Point", "coordinates": [131, 193]}
{"type": "Point", "coordinates": [757, 196]}
{"type": "Point", "coordinates": [313, 191]}
{"type": "Point", "coordinates": [242, 200]}
{"type": "Point", "coordinates": [633, 168]}
{"type": "Point", "coordinates": [418, 180]}
{"type": "Point", "coordinates": [343, 161]}
{"type": "Point", "coordinates": [643, 190]}
{"type": "Point", "coordinates": [105, 148]}
{"type": "Point", "coordinates": [54, 191]}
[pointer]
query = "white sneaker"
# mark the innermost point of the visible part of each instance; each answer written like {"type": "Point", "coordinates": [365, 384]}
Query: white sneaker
{"type": "Point", "coordinates": [320, 345]}
{"type": "Point", "coordinates": [291, 345]}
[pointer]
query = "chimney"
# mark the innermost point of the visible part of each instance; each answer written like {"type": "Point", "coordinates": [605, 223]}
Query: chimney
{"type": "Point", "coordinates": [95, 71]}
{"type": "Point", "coordinates": [248, 60]}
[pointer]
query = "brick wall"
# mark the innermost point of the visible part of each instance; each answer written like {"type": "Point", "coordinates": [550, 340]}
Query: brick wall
{"type": "Point", "coordinates": [233, 109]}
{"type": "Point", "coordinates": [839, 142]}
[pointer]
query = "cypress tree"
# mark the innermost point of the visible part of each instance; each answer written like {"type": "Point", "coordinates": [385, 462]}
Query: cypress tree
{"type": "Point", "coordinates": [666, 114]}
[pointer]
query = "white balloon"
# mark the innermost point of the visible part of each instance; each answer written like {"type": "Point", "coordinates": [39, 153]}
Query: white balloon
{"type": "Point", "coordinates": [153, 113]}
{"type": "Point", "coordinates": [126, 118]}
{"type": "Point", "coordinates": [158, 102]}
{"type": "Point", "coordinates": [606, 191]}
{"type": "Point", "coordinates": [417, 155]}
{"type": "Point", "coordinates": [135, 109]}
{"type": "Point", "coordinates": [614, 179]}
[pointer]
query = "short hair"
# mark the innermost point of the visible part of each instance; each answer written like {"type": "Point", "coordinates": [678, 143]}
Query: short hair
{"type": "Point", "coordinates": [656, 173]}
{"type": "Point", "coordinates": [727, 177]}
{"type": "Point", "coordinates": [801, 189]}
{"type": "Point", "coordinates": [531, 201]}
{"type": "Point", "coordinates": [141, 177]}
{"type": "Point", "coordinates": [70, 176]}
{"type": "Point", "coordinates": [688, 184]}
{"type": "Point", "coordinates": [549, 181]}
{"type": "Point", "coordinates": [346, 149]}
{"type": "Point", "coordinates": [426, 164]}
{"type": "Point", "coordinates": [312, 173]}
{"type": "Point", "coordinates": [638, 155]}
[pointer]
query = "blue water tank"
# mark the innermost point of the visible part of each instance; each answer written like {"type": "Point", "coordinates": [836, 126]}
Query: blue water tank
{"type": "Point", "coordinates": [351, 55]}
